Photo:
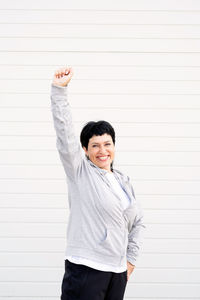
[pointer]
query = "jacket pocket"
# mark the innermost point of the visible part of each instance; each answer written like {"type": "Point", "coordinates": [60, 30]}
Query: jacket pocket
{"type": "Point", "coordinates": [113, 243]}
{"type": "Point", "coordinates": [83, 237]}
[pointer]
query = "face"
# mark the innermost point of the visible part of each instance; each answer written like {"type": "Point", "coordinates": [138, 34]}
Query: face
{"type": "Point", "coordinates": [101, 151]}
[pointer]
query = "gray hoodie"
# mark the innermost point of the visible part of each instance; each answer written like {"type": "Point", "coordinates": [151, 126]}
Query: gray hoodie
{"type": "Point", "coordinates": [98, 227]}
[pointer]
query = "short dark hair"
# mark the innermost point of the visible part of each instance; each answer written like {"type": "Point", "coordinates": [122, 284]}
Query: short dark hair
{"type": "Point", "coordinates": [96, 128]}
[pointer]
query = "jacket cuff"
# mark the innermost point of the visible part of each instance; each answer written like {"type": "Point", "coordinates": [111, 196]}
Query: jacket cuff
{"type": "Point", "coordinates": [131, 260]}
{"type": "Point", "coordinates": [58, 90]}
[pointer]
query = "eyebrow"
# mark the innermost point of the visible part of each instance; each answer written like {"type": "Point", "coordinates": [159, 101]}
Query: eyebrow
{"type": "Point", "coordinates": [104, 142]}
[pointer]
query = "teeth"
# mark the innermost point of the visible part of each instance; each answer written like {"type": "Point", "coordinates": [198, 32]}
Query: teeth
{"type": "Point", "coordinates": [103, 158]}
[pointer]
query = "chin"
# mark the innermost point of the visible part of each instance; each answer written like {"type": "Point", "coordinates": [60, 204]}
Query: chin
{"type": "Point", "coordinates": [104, 166]}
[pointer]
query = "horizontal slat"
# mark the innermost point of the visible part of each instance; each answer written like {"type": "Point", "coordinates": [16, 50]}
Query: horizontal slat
{"type": "Point", "coordinates": [55, 260]}
{"type": "Point", "coordinates": [33, 186]}
{"type": "Point", "coordinates": [154, 231]}
{"type": "Point", "coordinates": [123, 144]}
{"type": "Point", "coordinates": [31, 200]}
{"type": "Point", "coordinates": [102, 87]}
{"type": "Point", "coordinates": [25, 290]}
{"type": "Point", "coordinates": [138, 276]}
{"type": "Point", "coordinates": [167, 201]}
{"type": "Point", "coordinates": [36, 260]}
{"type": "Point", "coordinates": [109, 73]}
{"type": "Point", "coordinates": [12, 157]}
{"type": "Point", "coordinates": [100, 45]}
{"type": "Point", "coordinates": [164, 275]}
{"type": "Point", "coordinates": [104, 4]}
{"type": "Point", "coordinates": [33, 274]}
{"type": "Point", "coordinates": [106, 100]}
{"type": "Point", "coordinates": [33, 230]}
{"type": "Point", "coordinates": [85, 114]}
{"type": "Point", "coordinates": [32, 245]}
{"type": "Point", "coordinates": [122, 129]}
{"type": "Point", "coordinates": [103, 72]}
{"type": "Point", "coordinates": [171, 245]}
{"type": "Point", "coordinates": [56, 245]}
{"type": "Point", "coordinates": [138, 172]}
{"type": "Point", "coordinates": [58, 186]}
{"type": "Point", "coordinates": [100, 16]}
{"type": "Point", "coordinates": [106, 59]}
{"type": "Point", "coordinates": [99, 30]}
{"type": "Point", "coordinates": [167, 187]}
{"type": "Point", "coordinates": [172, 216]}
{"type": "Point", "coordinates": [182, 291]}
{"type": "Point", "coordinates": [34, 215]}
{"type": "Point", "coordinates": [160, 201]}
{"type": "Point", "coordinates": [179, 231]}
{"type": "Point", "coordinates": [161, 173]}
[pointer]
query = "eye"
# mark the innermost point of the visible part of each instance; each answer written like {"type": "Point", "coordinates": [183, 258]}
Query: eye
{"type": "Point", "coordinates": [108, 144]}
{"type": "Point", "coordinates": [94, 146]}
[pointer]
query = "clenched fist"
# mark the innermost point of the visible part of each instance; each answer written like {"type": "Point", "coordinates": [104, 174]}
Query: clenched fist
{"type": "Point", "coordinates": [62, 76]}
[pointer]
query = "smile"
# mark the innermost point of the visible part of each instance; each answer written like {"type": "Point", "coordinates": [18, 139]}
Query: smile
{"type": "Point", "coordinates": [102, 158]}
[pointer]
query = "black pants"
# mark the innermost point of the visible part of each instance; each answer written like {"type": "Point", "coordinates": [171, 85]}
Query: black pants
{"type": "Point", "coordinates": [81, 282]}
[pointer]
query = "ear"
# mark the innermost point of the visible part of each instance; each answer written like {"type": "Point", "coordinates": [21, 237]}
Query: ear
{"type": "Point", "coordinates": [86, 151]}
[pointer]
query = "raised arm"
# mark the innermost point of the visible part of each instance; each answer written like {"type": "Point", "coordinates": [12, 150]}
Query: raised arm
{"type": "Point", "coordinates": [68, 146]}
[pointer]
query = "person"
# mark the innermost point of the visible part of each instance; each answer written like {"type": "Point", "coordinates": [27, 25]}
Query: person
{"type": "Point", "coordinates": [105, 225]}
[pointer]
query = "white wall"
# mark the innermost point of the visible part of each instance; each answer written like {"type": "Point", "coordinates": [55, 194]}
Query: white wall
{"type": "Point", "coordinates": [137, 65]}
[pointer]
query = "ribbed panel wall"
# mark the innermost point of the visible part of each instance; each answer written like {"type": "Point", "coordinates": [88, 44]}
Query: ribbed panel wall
{"type": "Point", "coordinates": [137, 65]}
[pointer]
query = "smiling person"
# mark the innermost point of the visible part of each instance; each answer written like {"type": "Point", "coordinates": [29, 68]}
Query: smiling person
{"type": "Point", "coordinates": [105, 225]}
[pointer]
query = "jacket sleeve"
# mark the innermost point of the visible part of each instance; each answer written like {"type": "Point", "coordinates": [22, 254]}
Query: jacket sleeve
{"type": "Point", "coordinates": [136, 234]}
{"type": "Point", "coordinates": [69, 148]}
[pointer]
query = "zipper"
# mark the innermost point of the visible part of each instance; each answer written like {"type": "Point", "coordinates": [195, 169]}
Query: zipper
{"type": "Point", "coordinates": [102, 173]}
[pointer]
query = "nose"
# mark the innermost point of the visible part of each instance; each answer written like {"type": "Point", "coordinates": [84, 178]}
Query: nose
{"type": "Point", "coordinates": [102, 150]}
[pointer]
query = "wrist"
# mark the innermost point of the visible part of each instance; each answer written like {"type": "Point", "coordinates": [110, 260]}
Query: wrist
{"type": "Point", "coordinates": [131, 264]}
